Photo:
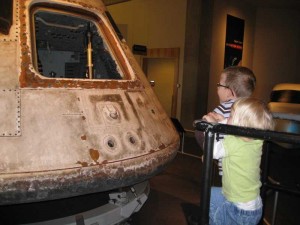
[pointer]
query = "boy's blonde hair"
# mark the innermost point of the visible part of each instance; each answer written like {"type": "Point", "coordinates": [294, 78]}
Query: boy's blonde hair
{"type": "Point", "coordinates": [251, 112]}
{"type": "Point", "coordinates": [241, 80]}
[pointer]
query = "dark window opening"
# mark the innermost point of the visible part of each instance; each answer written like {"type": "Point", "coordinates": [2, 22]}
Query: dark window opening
{"type": "Point", "coordinates": [286, 96]}
{"type": "Point", "coordinates": [5, 16]}
{"type": "Point", "coordinates": [70, 46]}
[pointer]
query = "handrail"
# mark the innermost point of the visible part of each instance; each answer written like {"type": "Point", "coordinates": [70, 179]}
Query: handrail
{"type": "Point", "coordinates": [210, 130]}
{"type": "Point", "coordinates": [249, 132]}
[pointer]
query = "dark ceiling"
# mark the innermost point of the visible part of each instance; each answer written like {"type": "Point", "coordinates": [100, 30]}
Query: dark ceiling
{"type": "Point", "coordinates": [288, 4]}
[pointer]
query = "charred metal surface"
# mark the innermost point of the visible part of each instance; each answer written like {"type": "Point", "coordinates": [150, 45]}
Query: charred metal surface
{"type": "Point", "coordinates": [73, 182]}
{"type": "Point", "coordinates": [78, 136]}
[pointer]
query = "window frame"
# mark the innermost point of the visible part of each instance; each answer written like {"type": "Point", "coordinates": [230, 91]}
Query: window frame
{"type": "Point", "coordinates": [31, 78]}
{"type": "Point", "coordinates": [75, 15]}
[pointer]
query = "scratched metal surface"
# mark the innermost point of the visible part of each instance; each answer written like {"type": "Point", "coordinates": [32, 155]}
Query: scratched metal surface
{"type": "Point", "coordinates": [67, 137]}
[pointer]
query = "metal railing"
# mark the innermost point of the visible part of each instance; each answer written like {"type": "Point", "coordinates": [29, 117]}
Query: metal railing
{"type": "Point", "coordinates": [210, 131]}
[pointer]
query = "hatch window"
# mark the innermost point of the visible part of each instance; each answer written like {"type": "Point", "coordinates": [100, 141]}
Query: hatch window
{"type": "Point", "coordinates": [5, 16]}
{"type": "Point", "coordinates": [71, 46]}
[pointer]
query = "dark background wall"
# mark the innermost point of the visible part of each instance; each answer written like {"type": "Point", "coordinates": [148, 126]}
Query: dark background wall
{"type": "Point", "coordinates": [198, 27]}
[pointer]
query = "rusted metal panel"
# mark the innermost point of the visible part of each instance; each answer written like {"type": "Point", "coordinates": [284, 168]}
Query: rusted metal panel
{"type": "Point", "coordinates": [30, 78]}
{"type": "Point", "coordinates": [49, 185]}
{"type": "Point", "coordinates": [67, 137]}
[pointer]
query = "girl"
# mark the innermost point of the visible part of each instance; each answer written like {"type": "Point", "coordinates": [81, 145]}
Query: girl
{"type": "Point", "coordinates": [238, 201]}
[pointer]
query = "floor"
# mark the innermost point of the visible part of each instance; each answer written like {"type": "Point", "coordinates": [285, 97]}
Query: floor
{"type": "Point", "coordinates": [174, 195]}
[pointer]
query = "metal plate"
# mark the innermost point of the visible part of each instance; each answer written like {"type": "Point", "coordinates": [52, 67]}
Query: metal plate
{"type": "Point", "coordinates": [10, 113]}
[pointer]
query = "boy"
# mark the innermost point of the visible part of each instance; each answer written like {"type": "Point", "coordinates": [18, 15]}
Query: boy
{"type": "Point", "coordinates": [235, 82]}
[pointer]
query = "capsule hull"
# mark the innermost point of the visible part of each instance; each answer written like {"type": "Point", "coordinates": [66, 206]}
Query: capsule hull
{"type": "Point", "coordinates": [67, 132]}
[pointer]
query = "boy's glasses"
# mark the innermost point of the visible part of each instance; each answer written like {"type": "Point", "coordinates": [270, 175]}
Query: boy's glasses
{"type": "Point", "coordinates": [221, 85]}
{"type": "Point", "coordinates": [224, 86]}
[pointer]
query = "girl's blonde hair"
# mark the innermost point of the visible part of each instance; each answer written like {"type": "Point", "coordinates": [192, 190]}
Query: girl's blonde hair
{"type": "Point", "coordinates": [251, 112]}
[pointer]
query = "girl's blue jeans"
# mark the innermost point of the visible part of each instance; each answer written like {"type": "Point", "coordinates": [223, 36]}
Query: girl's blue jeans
{"type": "Point", "coordinates": [223, 212]}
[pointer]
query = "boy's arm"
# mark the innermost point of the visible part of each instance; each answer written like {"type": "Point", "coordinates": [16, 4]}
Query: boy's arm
{"type": "Point", "coordinates": [213, 117]}
{"type": "Point", "coordinates": [209, 117]}
{"type": "Point", "coordinates": [219, 117]}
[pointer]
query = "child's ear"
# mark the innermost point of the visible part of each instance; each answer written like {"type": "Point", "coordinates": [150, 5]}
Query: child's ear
{"type": "Point", "coordinates": [231, 94]}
